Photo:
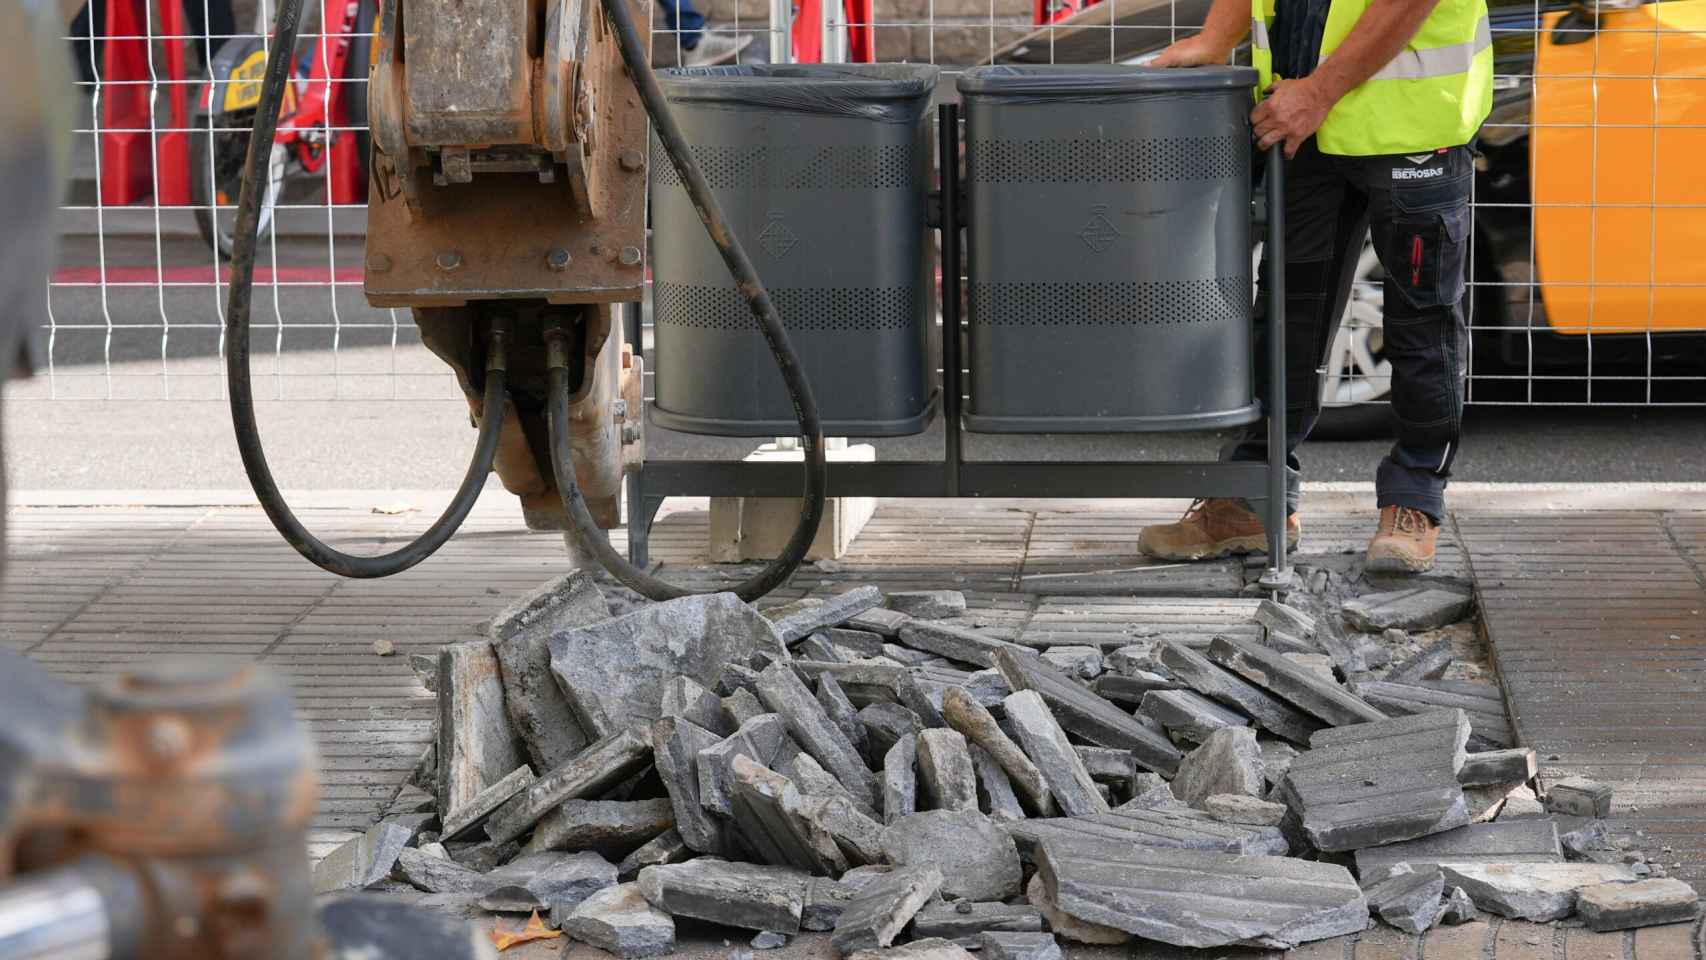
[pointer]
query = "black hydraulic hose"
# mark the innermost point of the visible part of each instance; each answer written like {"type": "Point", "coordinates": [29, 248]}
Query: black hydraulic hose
{"type": "Point", "coordinates": [237, 358]}
{"type": "Point", "coordinates": [581, 523]}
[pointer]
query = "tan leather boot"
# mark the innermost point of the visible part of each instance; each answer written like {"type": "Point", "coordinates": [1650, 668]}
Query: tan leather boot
{"type": "Point", "coordinates": [1214, 527]}
{"type": "Point", "coordinates": [1404, 543]}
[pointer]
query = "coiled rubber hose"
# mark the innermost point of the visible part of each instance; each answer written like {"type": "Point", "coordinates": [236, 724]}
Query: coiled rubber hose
{"type": "Point", "coordinates": [266, 489]}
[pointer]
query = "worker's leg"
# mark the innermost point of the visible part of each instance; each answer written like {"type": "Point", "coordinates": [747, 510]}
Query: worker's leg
{"type": "Point", "coordinates": [685, 20]}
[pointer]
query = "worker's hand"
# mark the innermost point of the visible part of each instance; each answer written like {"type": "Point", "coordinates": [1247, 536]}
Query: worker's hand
{"type": "Point", "coordinates": [1291, 111]}
{"type": "Point", "coordinates": [1193, 51]}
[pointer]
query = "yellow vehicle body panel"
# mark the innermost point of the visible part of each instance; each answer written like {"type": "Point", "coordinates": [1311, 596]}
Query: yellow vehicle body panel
{"type": "Point", "coordinates": [1619, 172]}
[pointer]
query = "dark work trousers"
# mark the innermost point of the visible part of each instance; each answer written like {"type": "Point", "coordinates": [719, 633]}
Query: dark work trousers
{"type": "Point", "coordinates": [1417, 208]}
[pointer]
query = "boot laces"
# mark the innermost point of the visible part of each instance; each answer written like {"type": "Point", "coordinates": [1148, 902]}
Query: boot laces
{"type": "Point", "coordinates": [1409, 521]}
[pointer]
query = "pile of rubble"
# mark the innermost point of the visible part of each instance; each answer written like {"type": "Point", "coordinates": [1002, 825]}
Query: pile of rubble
{"type": "Point", "coordinates": [856, 765]}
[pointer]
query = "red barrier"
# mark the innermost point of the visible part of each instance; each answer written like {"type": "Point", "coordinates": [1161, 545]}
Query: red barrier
{"type": "Point", "coordinates": [136, 149]}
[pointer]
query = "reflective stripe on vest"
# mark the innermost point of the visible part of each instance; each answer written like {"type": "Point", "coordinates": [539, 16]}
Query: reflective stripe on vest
{"type": "Point", "coordinates": [1259, 34]}
{"type": "Point", "coordinates": [1437, 62]}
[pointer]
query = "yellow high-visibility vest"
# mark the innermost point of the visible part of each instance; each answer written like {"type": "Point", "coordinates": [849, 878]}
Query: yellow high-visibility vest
{"type": "Point", "coordinates": [1434, 94]}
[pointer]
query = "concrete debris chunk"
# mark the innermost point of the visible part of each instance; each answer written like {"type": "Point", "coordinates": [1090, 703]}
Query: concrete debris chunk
{"type": "Point", "coordinates": [965, 713]}
{"type": "Point", "coordinates": [1645, 903]}
{"type": "Point", "coordinates": [884, 724]}
{"type": "Point", "coordinates": [1003, 945]}
{"type": "Point", "coordinates": [929, 949]}
{"type": "Point", "coordinates": [1540, 892]}
{"type": "Point", "coordinates": [540, 881]}
{"type": "Point", "coordinates": [767, 809]}
{"type": "Point", "coordinates": [1067, 926]}
{"type": "Point", "coordinates": [767, 940]}
{"type": "Point", "coordinates": [818, 647]}
{"type": "Point", "coordinates": [928, 604]}
{"type": "Point", "coordinates": [1193, 898]}
{"type": "Point", "coordinates": [613, 672]}
{"type": "Point", "coordinates": [1132, 659]}
{"type": "Point", "coordinates": [436, 874]}
{"type": "Point", "coordinates": [1086, 715]}
{"type": "Point", "coordinates": [833, 611]}
{"type": "Point", "coordinates": [1323, 699]}
{"type": "Point", "coordinates": [683, 697]}
{"type": "Point", "coordinates": [812, 779]}
{"type": "Point", "coordinates": [1582, 837]}
{"type": "Point", "coordinates": [900, 779]}
{"type": "Point", "coordinates": [853, 644]}
{"type": "Point", "coordinates": [945, 770]}
{"type": "Point", "coordinates": [676, 745]}
{"type": "Point", "coordinates": [870, 681]}
{"type": "Point", "coordinates": [1132, 689]}
{"type": "Point", "coordinates": [1239, 808]}
{"type": "Point", "coordinates": [1522, 804]}
{"type": "Point", "coordinates": [954, 643]}
{"type": "Point", "coordinates": [835, 704]}
{"type": "Point", "coordinates": [474, 812]}
{"type": "Point", "coordinates": [1488, 726]}
{"type": "Point", "coordinates": [1503, 768]}
{"type": "Point", "coordinates": [744, 895]}
{"type": "Point", "coordinates": [619, 921]}
{"type": "Point", "coordinates": [1428, 664]}
{"type": "Point", "coordinates": [908, 657]}
{"type": "Point", "coordinates": [1318, 665]}
{"type": "Point", "coordinates": [782, 691]}
{"type": "Point", "coordinates": [1173, 825]}
{"type": "Point", "coordinates": [738, 708]}
{"type": "Point", "coordinates": [591, 773]}
{"type": "Point", "coordinates": [825, 900]}
{"type": "Point", "coordinates": [362, 861]}
{"type": "Point", "coordinates": [611, 827]}
{"type": "Point", "coordinates": [1415, 609]}
{"type": "Point", "coordinates": [760, 739]}
{"type": "Point", "coordinates": [964, 920]}
{"type": "Point", "coordinates": [995, 794]}
{"type": "Point", "coordinates": [859, 836]}
{"type": "Point", "coordinates": [1084, 663]}
{"type": "Point", "coordinates": [425, 667]}
{"type": "Point", "coordinates": [1227, 762]}
{"type": "Point", "coordinates": [1277, 756]}
{"type": "Point", "coordinates": [1379, 783]}
{"type": "Point", "coordinates": [1579, 797]}
{"type": "Point", "coordinates": [520, 634]}
{"type": "Point", "coordinates": [977, 857]}
{"type": "Point", "coordinates": [666, 847]}
{"type": "Point", "coordinates": [1188, 714]}
{"type": "Point", "coordinates": [1458, 909]}
{"type": "Point", "coordinates": [1411, 901]}
{"type": "Point", "coordinates": [880, 621]}
{"type": "Point", "coordinates": [1285, 619]}
{"type": "Point", "coordinates": [484, 856]}
{"type": "Point", "coordinates": [1045, 743]}
{"type": "Point", "coordinates": [1211, 681]}
{"type": "Point", "coordinates": [1518, 841]}
{"type": "Point", "coordinates": [883, 908]}
{"type": "Point", "coordinates": [476, 747]}
{"type": "Point", "coordinates": [1108, 765]}
{"type": "Point", "coordinates": [737, 676]}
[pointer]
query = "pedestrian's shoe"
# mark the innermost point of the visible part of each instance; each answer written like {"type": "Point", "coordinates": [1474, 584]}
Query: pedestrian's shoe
{"type": "Point", "coordinates": [1404, 543]}
{"type": "Point", "coordinates": [714, 49]}
{"type": "Point", "coordinates": [1214, 527]}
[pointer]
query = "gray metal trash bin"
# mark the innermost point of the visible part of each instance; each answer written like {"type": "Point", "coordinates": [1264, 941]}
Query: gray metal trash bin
{"type": "Point", "coordinates": [822, 171]}
{"type": "Point", "coordinates": [1108, 212]}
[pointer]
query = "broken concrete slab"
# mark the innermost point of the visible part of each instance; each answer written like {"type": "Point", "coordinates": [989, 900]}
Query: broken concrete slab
{"type": "Point", "coordinates": [945, 770]}
{"type": "Point", "coordinates": [1318, 665]}
{"type": "Point", "coordinates": [1229, 761]}
{"type": "Point", "coordinates": [476, 746]}
{"type": "Point", "coordinates": [1083, 663]}
{"type": "Point", "coordinates": [1283, 618]}
{"type": "Point", "coordinates": [1210, 680]}
{"type": "Point", "coordinates": [928, 604]}
{"type": "Point", "coordinates": [1502, 768]}
{"type": "Point", "coordinates": [1522, 804]}
{"type": "Point", "coordinates": [1540, 892]}
{"type": "Point", "coordinates": [1322, 699]}
{"type": "Point", "coordinates": [1239, 808]}
{"type": "Point", "coordinates": [613, 672]}
{"type": "Point", "coordinates": [744, 895]}
{"type": "Point", "coordinates": [1045, 743]}
{"type": "Point", "coordinates": [1110, 766]}
{"type": "Point", "coordinates": [737, 676]}
{"type": "Point", "coordinates": [834, 701]}
{"type": "Point", "coordinates": [1086, 715]}
{"type": "Point", "coordinates": [619, 921]}
{"type": "Point", "coordinates": [826, 898]}
{"type": "Point", "coordinates": [1489, 727]}
{"type": "Point", "coordinates": [614, 828]}
{"type": "Point", "coordinates": [908, 657]}
{"type": "Point", "coordinates": [872, 681]}
{"type": "Point", "coordinates": [1172, 825]}
{"type": "Point", "coordinates": [594, 771]}
{"type": "Point", "coordinates": [965, 713]}
{"type": "Point", "coordinates": [539, 881]}
{"type": "Point", "coordinates": [666, 847]}
{"type": "Point", "coordinates": [1457, 909]}
{"type": "Point", "coordinates": [782, 691]}
{"type": "Point", "coordinates": [1379, 783]}
{"type": "Point", "coordinates": [540, 713]}
{"type": "Point", "coordinates": [995, 794]}
{"type": "Point", "coordinates": [1429, 663]}
{"type": "Point", "coordinates": [1645, 903]}
{"type": "Point", "coordinates": [760, 739]}
{"type": "Point", "coordinates": [853, 644]}
{"type": "Point", "coordinates": [900, 779]}
{"type": "Point", "coordinates": [1415, 609]}
{"type": "Point", "coordinates": [1411, 901]}
{"type": "Point", "coordinates": [884, 907]}
{"type": "Point", "coordinates": [739, 707]}
{"type": "Point", "coordinates": [362, 861]}
{"type": "Point", "coordinates": [884, 723]}
{"type": "Point", "coordinates": [1187, 714]}
{"type": "Point", "coordinates": [1579, 797]}
{"type": "Point", "coordinates": [977, 857]}
{"type": "Point", "coordinates": [1277, 756]}
{"type": "Point", "coordinates": [1015, 945]}
{"type": "Point", "coordinates": [676, 745]}
{"type": "Point", "coordinates": [833, 611]}
{"type": "Point", "coordinates": [859, 836]}
{"type": "Point", "coordinates": [683, 697]}
{"type": "Point", "coordinates": [879, 620]}
{"type": "Point", "coordinates": [817, 647]}
{"type": "Point", "coordinates": [1583, 837]}
{"type": "Point", "coordinates": [1067, 926]}
{"type": "Point", "coordinates": [474, 812]}
{"type": "Point", "coordinates": [436, 874]}
{"type": "Point", "coordinates": [484, 856]}
{"type": "Point", "coordinates": [1130, 690]}
{"type": "Point", "coordinates": [928, 949]}
{"type": "Point", "coordinates": [963, 920]}
{"type": "Point", "coordinates": [1193, 898]}
{"type": "Point", "coordinates": [954, 643]}
{"type": "Point", "coordinates": [767, 809]}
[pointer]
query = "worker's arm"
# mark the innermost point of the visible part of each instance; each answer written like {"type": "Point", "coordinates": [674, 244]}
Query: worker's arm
{"type": "Point", "coordinates": [1293, 110]}
{"type": "Point", "coordinates": [1227, 23]}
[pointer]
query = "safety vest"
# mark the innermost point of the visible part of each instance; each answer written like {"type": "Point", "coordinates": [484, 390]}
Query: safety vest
{"type": "Point", "coordinates": [1433, 94]}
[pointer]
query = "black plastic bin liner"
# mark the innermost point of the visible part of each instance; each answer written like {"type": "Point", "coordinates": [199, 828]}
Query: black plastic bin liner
{"type": "Point", "coordinates": [1108, 248]}
{"type": "Point", "coordinates": [823, 172]}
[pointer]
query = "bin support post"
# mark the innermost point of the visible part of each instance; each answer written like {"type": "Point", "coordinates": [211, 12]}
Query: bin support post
{"type": "Point", "coordinates": [948, 146]}
{"type": "Point", "coordinates": [1278, 574]}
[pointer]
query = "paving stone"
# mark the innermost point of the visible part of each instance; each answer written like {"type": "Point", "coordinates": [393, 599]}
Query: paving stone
{"type": "Point", "coordinates": [676, 745]}
{"type": "Point", "coordinates": [1086, 715]}
{"type": "Point", "coordinates": [1174, 826]}
{"type": "Point", "coordinates": [1067, 926]}
{"type": "Point", "coordinates": [965, 713]}
{"type": "Point", "coordinates": [1188, 714]}
{"type": "Point", "coordinates": [362, 861]}
{"type": "Point", "coordinates": [613, 672]}
{"type": "Point", "coordinates": [1209, 579]}
{"type": "Point", "coordinates": [1458, 908]}
{"type": "Point", "coordinates": [739, 707]}
{"type": "Point", "coordinates": [1045, 743]}
{"type": "Point", "coordinates": [835, 704]}
{"type": "Point", "coordinates": [884, 724]}
{"type": "Point", "coordinates": [782, 691]}
{"type": "Point", "coordinates": [1285, 619]}
{"type": "Point", "coordinates": [1109, 765]}
{"type": "Point", "coordinates": [963, 920]}
{"type": "Point", "coordinates": [1645, 903]}
{"type": "Point", "coordinates": [1131, 690]}
{"type": "Point", "coordinates": [760, 739]}
{"type": "Point", "coordinates": [484, 856]}
{"type": "Point", "coordinates": [767, 809]}
{"type": "Point", "coordinates": [854, 644]}
{"type": "Point", "coordinates": [900, 779]}
{"type": "Point", "coordinates": [1318, 665]}
{"type": "Point", "coordinates": [611, 827]}
{"type": "Point", "coordinates": [744, 895]}
{"type": "Point", "coordinates": [1378, 783]}
{"type": "Point", "coordinates": [977, 856]}
{"type": "Point", "coordinates": [1506, 768]}
{"type": "Point", "coordinates": [1134, 659]}
{"type": "Point", "coordinates": [818, 647]}
{"type": "Point", "coordinates": [1415, 609]}
{"type": "Point", "coordinates": [833, 611]}
{"type": "Point", "coordinates": [908, 657]}
{"type": "Point", "coordinates": [1084, 663]}
{"type": "Point", "coordinates": [1519, 841]}
{"type": "Point", "coordinates": [539, 881]}
{"type": "Point", "coordinates": [474, 812]}
{"type": "Point", "coordinates": [1410, 901]}
{"type": "Point", "coordinates": [928, 604]}
{"type": "Point", "coordinates": [594, 771]}
{"type": "Point", "coordinates": [1277, 757]}
{"type": "Point", "coordinates": [869, 681]}
{"type": "Point", "coordinates": [1227, 762]}
{"type": "Point", "coordinates": [879, 620]}
{"type": "Point", "coordinates": [541, 715]}
{"type": "Point", "coordinates": [684, 697]}
{"type": "Point", "coordinates": [1489, 727]}
{"type": "Point", "coordinates": [619, 921]}
{"type": "Point", "coordinates": [1272, 672]}
{"type": "Point", "coordinates": [1211, 681]}
{"type": "Point", "coordinates": [737, 676]}
{"type": "Point", "coordinates": [1579, 797]}
{"type": "Point", "coordinates": [884, 907]}
{"type": "Point", "coordinates": [666, 847]}
{"type": "Point", "coordinates": [988, 686]}
{"type": "Point", "coordinates": [813, 780]}
{"type": "Point", "coordinates": [1194, 898]}
{"type": "Point", "coordinates": [1428, 664]}
{"type": "Point", "coordinates": [1540, 892]}
{"type": "Point", "coordinates": [1238, 808]}
{"type": "Point", "coordinates": [476, 747]}
{"type": "Point", "coordinates": [1003, 945]}
{"type": "Point", "coordinates": [826, 898]}
{"type": "Point", "coordinates": [954, 643]}
{"type": "Point", "coordinates": [859, 836]}
{"type": "Point", "coordinates": [931, 949]}
{"type": "Point", "coordinates": [945, 771]}
{"type": "Point", "coordinates": [994, 790]}
{"type": "Point", "coordinates": [1584, 837]}
{"type": "Point", "coordinates": [1522, 804]}
{"type": "Point", "coordinates": [436, 874]}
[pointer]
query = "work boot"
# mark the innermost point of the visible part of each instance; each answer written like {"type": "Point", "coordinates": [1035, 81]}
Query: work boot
{"type": "Point", "coordinates": [715, 49]}
{"type": "Point", "coordinates": [1404, 543]}
{"type": "Point", "coordinates": [1214, 527]}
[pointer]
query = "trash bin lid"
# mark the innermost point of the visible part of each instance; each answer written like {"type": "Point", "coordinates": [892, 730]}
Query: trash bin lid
{"type": "Point", "coordinates": [1098, 80]}
{"type": "Point", "coordinates": [870, 91]}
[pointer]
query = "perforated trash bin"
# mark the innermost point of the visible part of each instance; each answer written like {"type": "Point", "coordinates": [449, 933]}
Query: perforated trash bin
{"type": "Point", "coordinates": [822, 171]}
{"type": "Point", "coordinates": [1108, 212]}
